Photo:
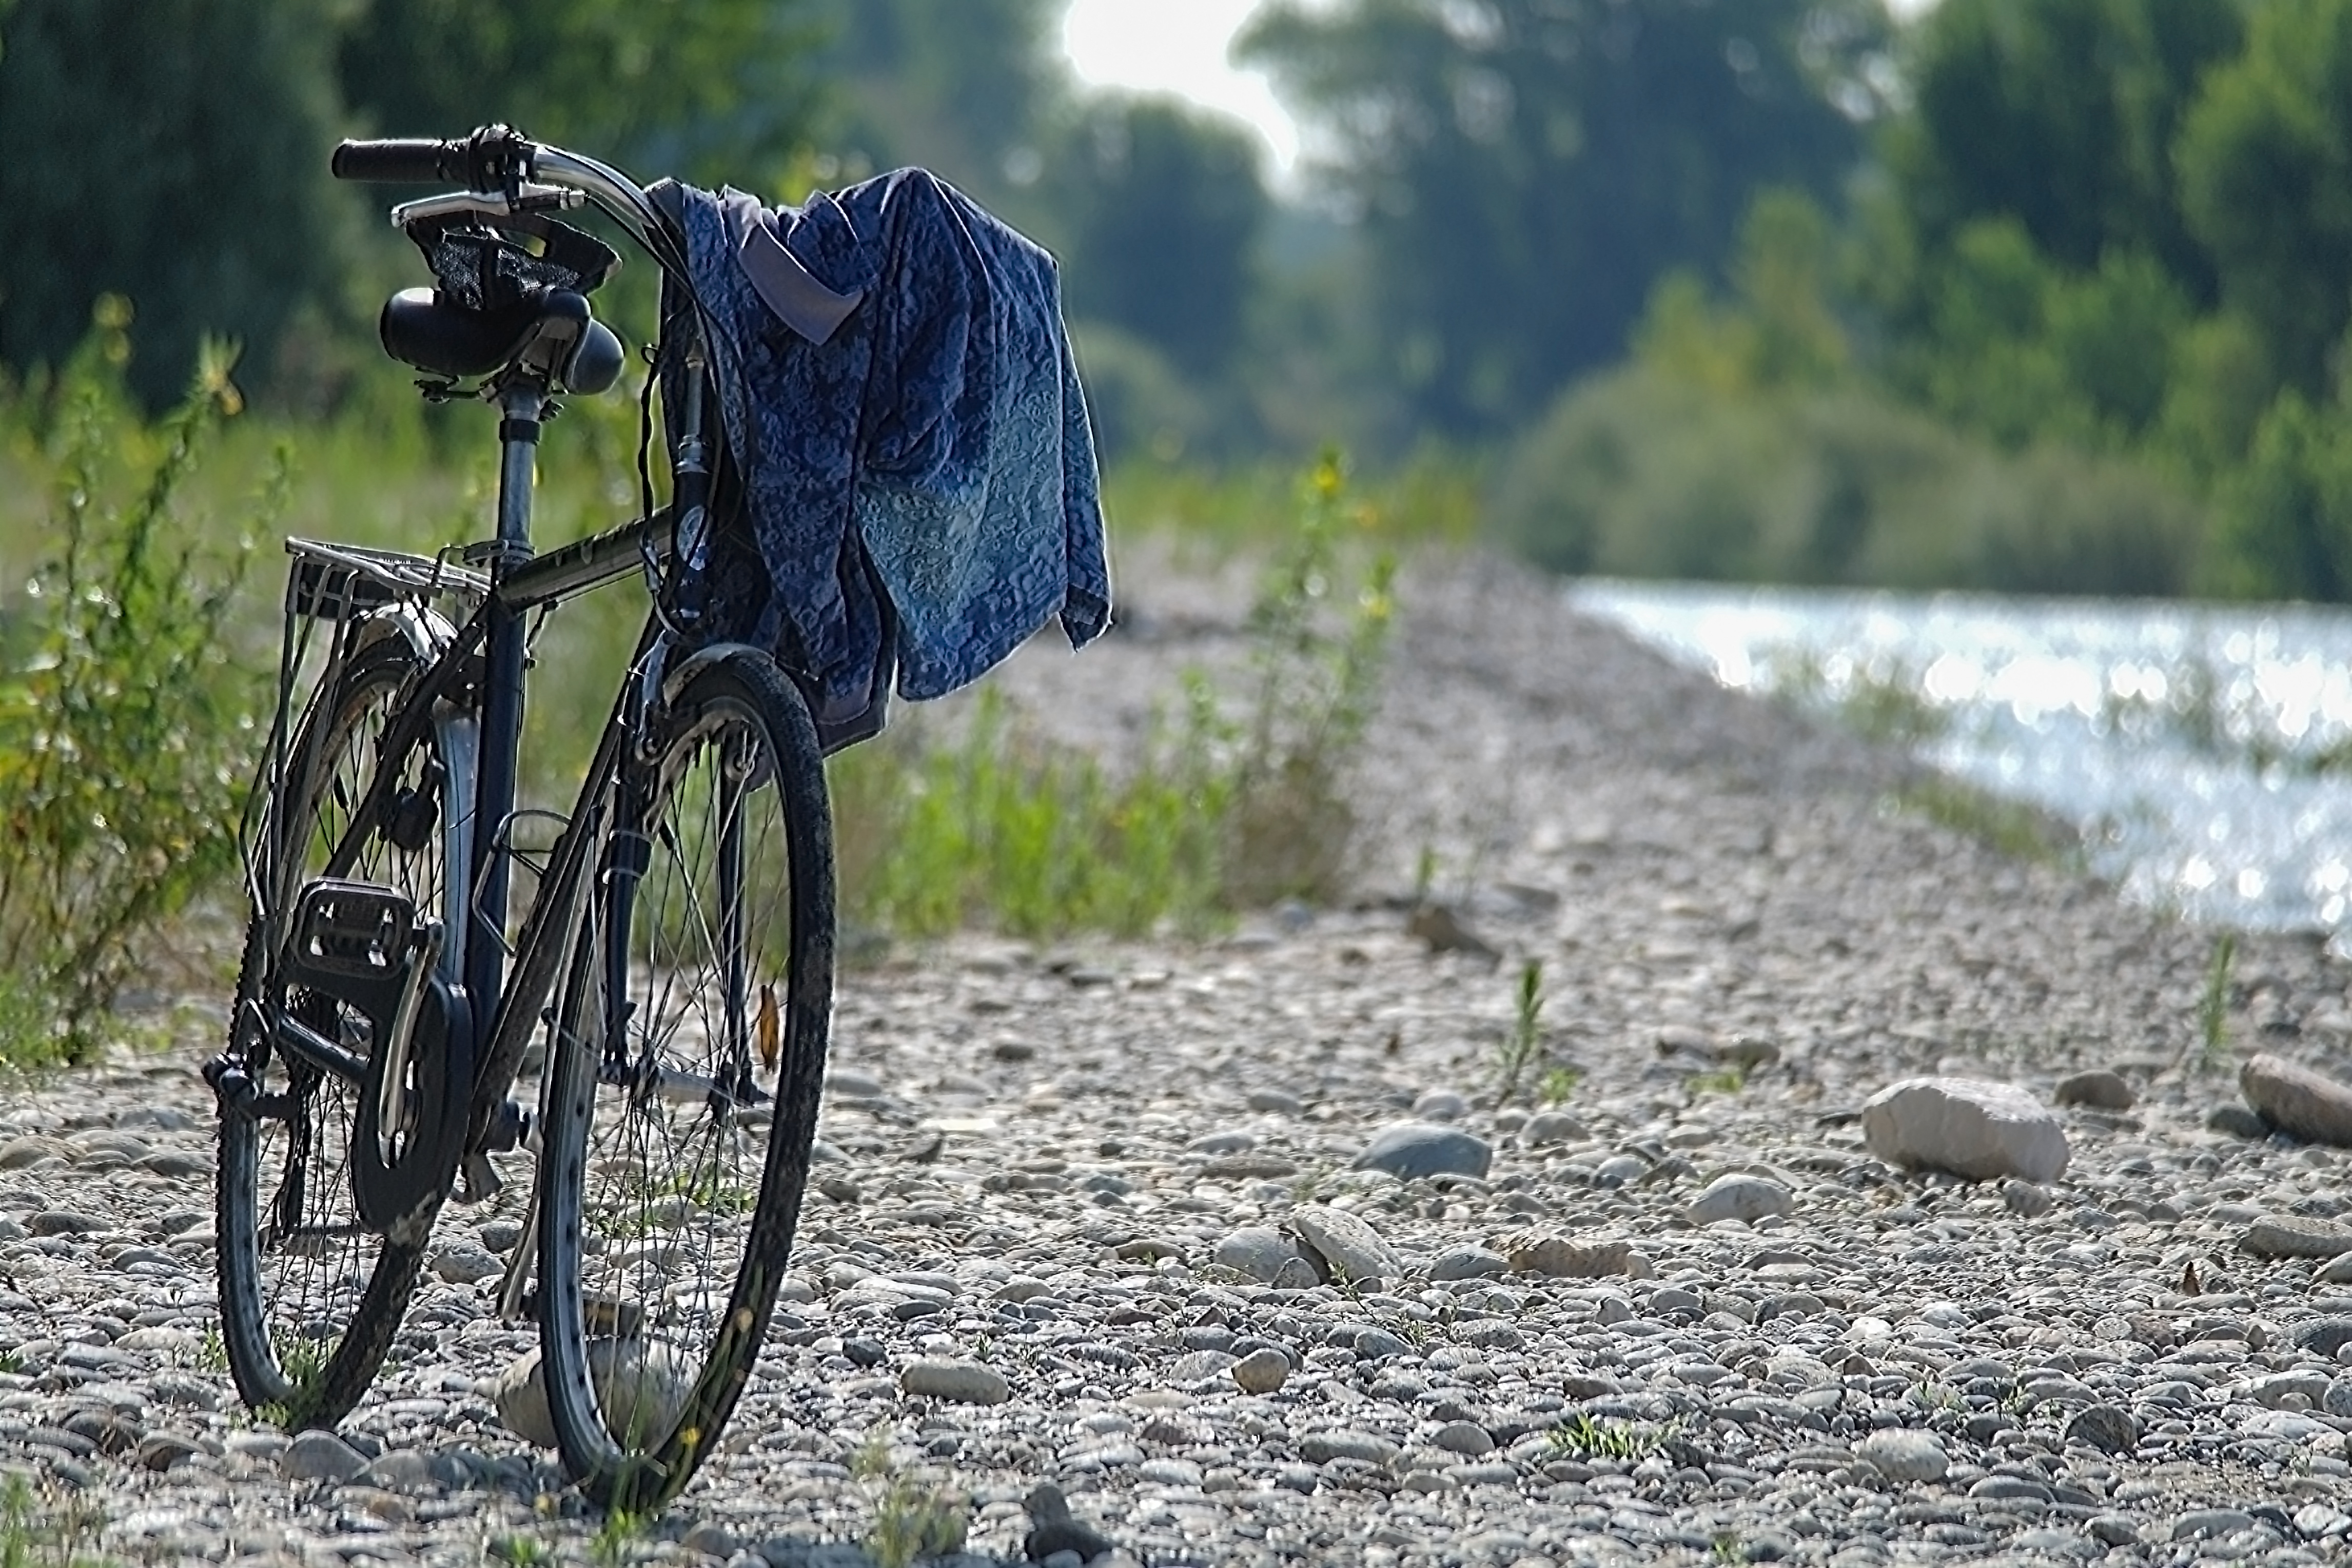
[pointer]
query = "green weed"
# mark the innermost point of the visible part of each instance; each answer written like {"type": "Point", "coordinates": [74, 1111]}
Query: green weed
{"type": "Point", "coordinates": [1558, 1085]}
{"type": "Point", "coordinates": [912, 1516]}
{"type": "Point", "coordinates": [1232, 805]}
{"type": "Point", "coordinates": [1584, 1437]}
{"type": "Point", "coordinates": [616, 1539]}
{"type": "Point", "coordinates": [1880, 700]}
{"type": "Point", "coordinates": [2010, 827]}
{"type": "Point", "coordinates": [1525, 1036]}
{"type": "Point", "coordinates": [2213, 1004]}
{"type": "Point", "coordinates": [1726, 1080]}
{"type": "Point", "coordinates": [38, 1530]}
{"type": "Point", "coordinates": [520, 1550]}
{"type": "Point", "coordinates": [124, 716]}
{"type": "Point", "coordinates": [1317, 657]}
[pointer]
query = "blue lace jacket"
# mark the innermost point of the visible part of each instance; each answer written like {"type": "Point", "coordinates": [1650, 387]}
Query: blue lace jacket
{"type": "Point", "coordinates": [918, 474]}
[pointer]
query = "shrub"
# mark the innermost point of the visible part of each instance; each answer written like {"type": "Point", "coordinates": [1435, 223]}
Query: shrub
{"type": "Point", "coordinates": [125, 723]}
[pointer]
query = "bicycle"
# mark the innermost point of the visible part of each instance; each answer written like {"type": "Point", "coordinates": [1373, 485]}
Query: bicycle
{"type": "Point", "coordinates": [676, 958]}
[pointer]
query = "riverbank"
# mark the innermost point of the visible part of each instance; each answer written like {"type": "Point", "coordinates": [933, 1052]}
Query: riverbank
{"type": "Point", "coordinates": [1037, 1159]}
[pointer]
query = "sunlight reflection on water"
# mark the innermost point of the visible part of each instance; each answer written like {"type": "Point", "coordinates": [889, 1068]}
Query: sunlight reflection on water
{"type": "Point", "coordinates": [2206, 749]}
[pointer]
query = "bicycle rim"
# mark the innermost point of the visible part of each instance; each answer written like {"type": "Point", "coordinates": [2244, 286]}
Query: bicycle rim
{"type": "Point", "coordinates": [689, 1035]}
{"type": "Point", "coordinates": [310, 1297]}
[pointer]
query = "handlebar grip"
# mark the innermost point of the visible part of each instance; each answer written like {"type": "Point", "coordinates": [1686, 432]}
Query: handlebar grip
{"type": "Point", "coordinates": [402, 161]}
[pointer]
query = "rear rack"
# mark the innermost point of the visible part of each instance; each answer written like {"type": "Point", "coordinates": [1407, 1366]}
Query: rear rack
{"type": "Point", "coordinates": [331, 582]}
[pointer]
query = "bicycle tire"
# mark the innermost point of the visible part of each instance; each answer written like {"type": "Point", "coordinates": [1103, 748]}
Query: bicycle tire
{"type": "Point", "coordinates": [653, 1124]}
{"type": "Point", "coordinates": [304, 1339]}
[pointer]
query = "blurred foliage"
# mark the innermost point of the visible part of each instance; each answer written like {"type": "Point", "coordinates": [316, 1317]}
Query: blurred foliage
{"type": "Point", "coordinates": [172, 153]}
{"type": "Point", "coordinates": [705, 89]}
{"type": "Point", "coordinates": [125, 715]}
{"type": "Point", "coordinates": [1160, 209]}
{"type": "Point", "coordinates": [1521, 173]}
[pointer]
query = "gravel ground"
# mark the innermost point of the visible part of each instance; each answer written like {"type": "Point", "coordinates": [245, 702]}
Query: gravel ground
{"type": "Point", "coordinates": [1063, 1191]}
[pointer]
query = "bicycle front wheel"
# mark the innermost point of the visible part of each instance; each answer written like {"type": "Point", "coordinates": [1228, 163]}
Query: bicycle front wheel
{"type": "Point", "coordinates": [688, 1054]}
{"type": "Point", "coordinates": [311, 1295]}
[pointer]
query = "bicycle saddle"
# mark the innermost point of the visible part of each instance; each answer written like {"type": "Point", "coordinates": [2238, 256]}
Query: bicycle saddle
{"type": "Point", "coordinates": [553, 332]}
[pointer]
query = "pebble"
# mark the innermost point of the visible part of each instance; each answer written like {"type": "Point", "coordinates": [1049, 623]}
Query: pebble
{"type": "Point", "coordinates": [1411, 1150]}
{"type": "Point", "coordinates": [1905, 1456]}
{"type": "Point", "coordinates": [2297, 1099]}
{"type": "Point", "coordinates": [1967, 1127]}
{"type": "Point", "coordinates": [1346, 1244]}
{"type": "Point", "coordinates": [1258, 1252]}
{"type": "Point", "coordinates": [2101, 1088]}
{"type": "Point", "coordinates": [1468, 1263]}
{"type": "Point", "coordinates": [960, 1382]}
{"type": "Point", "coordinates": [1548, 1126]}
{"type": "Point", "coordinates": [1740, 1197]}
{"type": "Point", "coordinates": [321, 1456]}
{"type": "Point", "coordinates": [1262, 1371]}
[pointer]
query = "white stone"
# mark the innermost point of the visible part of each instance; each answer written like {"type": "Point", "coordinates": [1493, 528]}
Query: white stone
{"type": "Point", "coordinates": [1969, 1127]}
{"type": "Point", "coordinates": [1346, 1244]}
{"type": "Point", "coordinates": [1740, 1198]}
{"type": "Point", "coordinates": [1901, 1455]}
{"type": "Point", "coordinates": [1257, 1252]}
{"type": "Point", "coordinates": [962, 1381]}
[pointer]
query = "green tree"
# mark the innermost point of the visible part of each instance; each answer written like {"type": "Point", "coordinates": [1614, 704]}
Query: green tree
{"type": "Point", "coordinates": [1159, 208]}
{"type": "Point", "coordinates": [959, 87]}
{"type": "Point", "coordinates": [2287, 514]}
{"type": "Point", "coordinates": [1523, 171]}
{"type": "Point", "coordinates": [2265, 161]}
{"type": "Point", "coordinates": [171, 151]}
{"type": "Point", "coordinates": [2060, 115]}
{"type": "Point", "coordinates": [711, 90]}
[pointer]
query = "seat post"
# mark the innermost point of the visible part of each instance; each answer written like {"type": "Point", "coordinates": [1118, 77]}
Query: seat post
{"type": "Point", "coordinates": [521, 405]}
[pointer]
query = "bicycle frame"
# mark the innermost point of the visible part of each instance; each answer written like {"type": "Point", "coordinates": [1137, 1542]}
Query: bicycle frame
{"type": "Point", "coordinates": [481, 664]}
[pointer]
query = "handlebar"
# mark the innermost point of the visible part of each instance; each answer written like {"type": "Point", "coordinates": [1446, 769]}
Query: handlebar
{"type": "Point", "coordinates": [497, 160]}
{"type": "Point", "coordinates": [402, 161]}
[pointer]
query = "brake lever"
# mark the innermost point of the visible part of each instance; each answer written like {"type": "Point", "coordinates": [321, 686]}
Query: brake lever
{"type": "Point", "coordinates": [491, 204]}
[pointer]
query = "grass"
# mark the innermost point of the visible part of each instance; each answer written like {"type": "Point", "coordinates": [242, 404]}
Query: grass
{"type": "Point", "coordinates": [2010, 827]}
{"type": "Point", "coordinates": [42, 1530]}
{"type": "Point", "coordinates": [913, 1517]}
{"type": "Point", "coordinates": [1585, 1436]}
{"type": "Point", "coordinates": [1237, 802]}
{"type": "Point", "coordinates": [2213, 1002]}
{"type": "Point", "coordinates": [125, 718]}
{"type": "Point", "coordinates": [1559, 1084]}
{"type": "Point", "coordinates": [1725, 1080]}
{"type": "Point", "coordinates": [617, 1537]}
{"type": "Point", "coordinates": [1525, 1036]}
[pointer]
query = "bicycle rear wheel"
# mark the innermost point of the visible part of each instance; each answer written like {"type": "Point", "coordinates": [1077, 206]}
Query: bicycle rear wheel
{"type": "Point", "coordinates": [310, 1296]}
{"type": "Point", "coordinates": [688, 1054]}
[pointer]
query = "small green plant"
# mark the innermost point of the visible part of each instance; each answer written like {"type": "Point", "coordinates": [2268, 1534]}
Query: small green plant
{"type": "Point", "coordinates": [43, 1532]}
{"type": "Point", "coordinates": [2010, 827]}
{"type": "Point", "coordinates": [1317, 668]}
{"type": "Point", "coordinates": [520, 1550]}
{"type": "Point", "coordinates": [1883, 701]}
{"type": "Point", "coordinates": [1559, 1084]}
{"type": "Point", "coordinates": [912, 1516]}
{"type": "Point", "coordinates": [1932, 1395]}
{"type": "Point", "coordinates": [2213, 1004]}
{"type": "Point", "coordinates": [1585, 1436]}
{"type": "Point", "coordinates": [1724, 1080]}
{"type": "Point", "coordinates": [1525, 1036]}
{"type": "Point", "coordinates": [1724, 1545]}
{"type": "Point", "coordinates": [616, 1539]}
{"type": "Point", "coordinates": [123, 743]}
{"type": "Point", "coordinates": [212, 1350]}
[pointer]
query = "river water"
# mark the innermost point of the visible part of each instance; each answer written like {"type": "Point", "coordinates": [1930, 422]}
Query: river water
{"type": "Point", "coordinates": [2205, 749]}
